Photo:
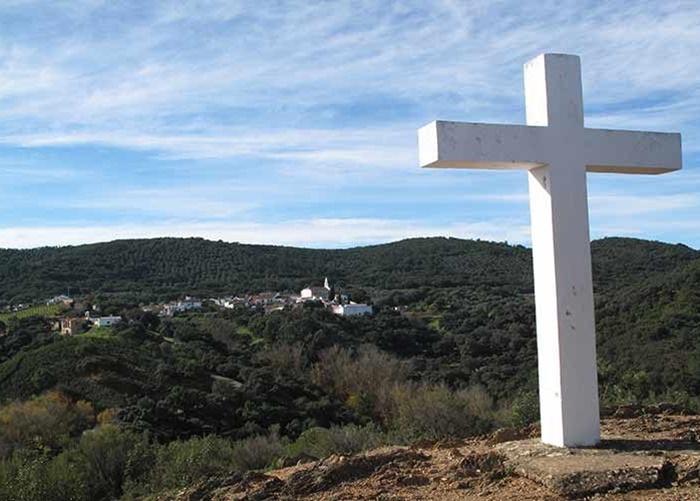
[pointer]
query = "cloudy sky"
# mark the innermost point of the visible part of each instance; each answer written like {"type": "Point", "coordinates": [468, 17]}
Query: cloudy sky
{"type": "Point", "coordinates": [295, 122]}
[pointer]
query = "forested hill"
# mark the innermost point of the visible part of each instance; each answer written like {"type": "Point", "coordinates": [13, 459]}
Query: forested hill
{"type": "Point", "coordinates": [165, 267]}
{"type": "Point", "coordinates": [155, 404]}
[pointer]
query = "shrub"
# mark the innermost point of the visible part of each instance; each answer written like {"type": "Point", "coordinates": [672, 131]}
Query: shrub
{"type": "Point", "coordinates": [365, 381]}
{"type": "Point", "coordinates": [94, 468]}
{"type": "Point", "coordinates": [434, 412]}
{"type": "Point", "coordinates": [38, 478]}
{"type": "Point", "coordinates": [322, 442]}
{"type": "Point", "coordinates": [139, 470]}
{"type": "Point", "coordinates": [180, 463]}
{"type": "Point", "coordinates": [288, 359]}
{"type": "Point", "coordinates": [524, 410]}
{"type": "Point", "coordinates": [108, 416]}
{"type": "Point", "coordinates": [44, 422]}
{"type": "Point", "coordinates": [103, 455]}
{"type": "Point", "coordinates": [257, 452]}
{"type": "Point", "coordinates": [477, 401]}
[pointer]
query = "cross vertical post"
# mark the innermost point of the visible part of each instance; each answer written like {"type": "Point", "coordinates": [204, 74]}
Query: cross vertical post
{"type": "Point", "coordinates": [568, 383]}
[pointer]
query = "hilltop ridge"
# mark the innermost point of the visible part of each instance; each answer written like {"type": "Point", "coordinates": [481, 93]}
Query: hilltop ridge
{"type": "Point", "coordinates": [159, 268]}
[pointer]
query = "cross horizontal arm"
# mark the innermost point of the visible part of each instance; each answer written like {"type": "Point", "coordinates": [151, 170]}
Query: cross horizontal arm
{"type": "Point", "coordinates": [632, 152]}
{"type": "Point", "coordinates": [481, 146]}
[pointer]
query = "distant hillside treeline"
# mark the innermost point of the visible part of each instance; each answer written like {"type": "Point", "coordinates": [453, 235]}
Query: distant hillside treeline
{"type": "Point", "coordinates": [165, 267]}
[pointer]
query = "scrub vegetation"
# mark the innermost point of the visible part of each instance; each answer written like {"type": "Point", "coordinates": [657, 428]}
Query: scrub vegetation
{"type": "Point", "coordinates": [155, 404]}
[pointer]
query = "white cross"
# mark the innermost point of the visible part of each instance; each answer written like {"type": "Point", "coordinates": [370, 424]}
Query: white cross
{"type": "Point", "coordinates": [557, 151]}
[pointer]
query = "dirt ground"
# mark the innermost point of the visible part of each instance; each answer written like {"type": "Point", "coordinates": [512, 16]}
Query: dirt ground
{"type": "Point", "coordinates": [478, 469]}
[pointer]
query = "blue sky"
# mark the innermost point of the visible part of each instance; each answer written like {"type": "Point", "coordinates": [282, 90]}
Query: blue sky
{"type": "Point", "coordinates": [295, 122]}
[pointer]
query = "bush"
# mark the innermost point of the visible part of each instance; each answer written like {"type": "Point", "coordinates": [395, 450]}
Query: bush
{"type": "Point", "coordinates": [477, 401]}
{"type": "Point", "coordinates": [524, 410]}
{"type": "Point", "coordinates": [180, 463]}
{"type": "Point", "coordinates": [434, 411]}
{"type": "Point", "coordinates": [322, 442]}
{"type": "Point", "coordinates": [364, 381]}
{"type": "Point", "coordinates": [38, 478]}
{"type": "Point", "coordinates": [44, 422]}
{"type": "Point", "coordinates": [94, 468]}
{"type": "Point", "coordinates": [139, 470]}
{"type": "Point", "coordinates": [257, 452]}
{"type": "Point", "coordinates": [103, 455]}
{"type": "Point", "coordinates": [288, 359]}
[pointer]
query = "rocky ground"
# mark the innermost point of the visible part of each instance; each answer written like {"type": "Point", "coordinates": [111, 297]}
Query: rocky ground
{"type": "Point", "coordinates": [646, 454]}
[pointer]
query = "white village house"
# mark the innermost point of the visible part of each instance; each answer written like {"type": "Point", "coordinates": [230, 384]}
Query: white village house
{"type": "Point", "coordinates": [105, 321]}
{"type": "Point", "coordinates": [317, 293]}
{"type": "Point", "coordinates": [338, 303]}
{"type": "Point", "coordinates": [351, 309]}
{"type": "Point", "coordinates": [61, 299]}
{"type": "Point", "coordinates": [187, 304]}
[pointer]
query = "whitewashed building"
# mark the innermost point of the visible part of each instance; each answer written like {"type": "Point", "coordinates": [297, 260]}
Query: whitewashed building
{"type": "Point", "coordinates": [352, 309]}
{"type": "Point", "coordinates": [189, 303]}
{"type": "Point", "coordinates": [105, 321]}
{"type": "Point", "coordinates": [186, 304]}
{"type": "Point", "coordinates": [62, 299]}
{"type": "Point", "coordinates": [313, 293]}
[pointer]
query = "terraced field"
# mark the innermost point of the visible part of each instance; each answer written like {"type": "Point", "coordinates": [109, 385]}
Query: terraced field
{"type": "Point", "coordinates": [44, 310]}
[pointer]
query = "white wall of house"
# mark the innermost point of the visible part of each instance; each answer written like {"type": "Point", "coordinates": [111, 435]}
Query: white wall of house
{"type": "Point", "coordinates": [105, 321]}
{"type": "Point", "coordinates": [348, 310]}
{"type": "Point", "coordinates": [189, 305]}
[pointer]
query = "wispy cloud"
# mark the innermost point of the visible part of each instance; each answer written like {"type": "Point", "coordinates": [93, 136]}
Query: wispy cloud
{"type": "Point", "coordinates": [354, 147]}
{"type": "Point", "coordinates": [293, 58]}
{"type": "Point", "coordinates": [330, 233]}
{"type": "Point", "coordinates": [151, 102]}
{"type": "Point", "coordinates": [37, 174]}
{"type": "Point", "coordinates": [621, 205]}
{"type": "Point", "coordinates": [210, 204]}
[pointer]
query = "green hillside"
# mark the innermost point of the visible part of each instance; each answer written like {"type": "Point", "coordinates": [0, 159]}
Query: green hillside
{"type": "Point", "coordinates": [162, 267]}
{"type": "Point", "coordinates": [166, 267]}
{"type": "Point", "coordinates": [173, 400]}
{"type": "Point", "coordinates": [470, 302]}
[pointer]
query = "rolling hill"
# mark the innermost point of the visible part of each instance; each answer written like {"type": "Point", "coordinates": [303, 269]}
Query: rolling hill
{"type": "Point", "coordinates": [172, 401]}
{"type": "Point", "coordinates": [167, 267]}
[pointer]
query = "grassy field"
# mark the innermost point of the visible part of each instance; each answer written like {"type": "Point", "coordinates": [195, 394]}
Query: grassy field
{"type": "Point", "coordinates": [99, 332]}
{"type": "Point", "coordinates": [49, 310]}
